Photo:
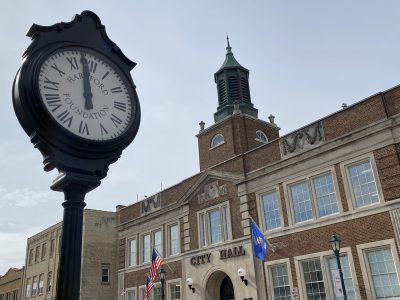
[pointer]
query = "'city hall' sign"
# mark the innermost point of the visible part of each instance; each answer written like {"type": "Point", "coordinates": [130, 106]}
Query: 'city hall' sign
{"type": "Point", "coordinates": [223, 254]}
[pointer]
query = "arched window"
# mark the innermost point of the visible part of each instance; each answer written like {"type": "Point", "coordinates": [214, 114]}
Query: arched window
{"type": "Point", "coordinates": [261, 137]}
{"type": "Point", "coordinates": [217, 140]}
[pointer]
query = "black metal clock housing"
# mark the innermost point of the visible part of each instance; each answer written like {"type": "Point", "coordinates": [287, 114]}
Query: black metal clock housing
{"type": "Point", "coordinates": [75, 98]}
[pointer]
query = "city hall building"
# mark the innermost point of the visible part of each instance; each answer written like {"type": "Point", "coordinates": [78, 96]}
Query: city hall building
{"type": "Point", "coordinates": [339, 174]}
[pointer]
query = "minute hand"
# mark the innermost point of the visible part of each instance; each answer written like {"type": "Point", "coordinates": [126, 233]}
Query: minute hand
{"type": "Point", "coordinates": [87, 91]}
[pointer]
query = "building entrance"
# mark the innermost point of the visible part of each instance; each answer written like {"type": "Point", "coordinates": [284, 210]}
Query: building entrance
{"type": "Point", "coordinates": [219, 287]}
{"type": "Point", "coordinates": [226, 290]}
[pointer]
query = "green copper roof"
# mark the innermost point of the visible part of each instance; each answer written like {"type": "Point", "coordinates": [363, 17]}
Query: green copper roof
{"type": "Point", "coordinates": [230, 61]}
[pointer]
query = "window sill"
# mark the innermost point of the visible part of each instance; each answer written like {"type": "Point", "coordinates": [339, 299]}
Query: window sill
{"type": "Point", "coordinates": [216, 146]}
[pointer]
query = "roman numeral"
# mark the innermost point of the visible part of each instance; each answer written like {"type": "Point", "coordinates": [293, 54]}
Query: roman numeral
{"type": "Point", "coordinates": [54, 66]}
{"type": "Point", "coordinates": [103, 129]}
{"type": "Point", "coordinates": [117, 121]}
{"type": "Point", "coordinates": [83, 128]}
{"type": "Point", "coordinates": [53, 100]}
{"type": "Point", "coordinates": [120, 105]}
{"type": "Point", "coordinates": [73, 62]}
{"type": "Point", "coordinates": [117, 89]}
{"type": "Point", "coordinates": [92, 66]}
{"type": "Point", "coordinates": [105, 75]}
{"type": "Point", "coordinates": [64, 118]}
{"type": "Point", "coordinates": [54, 84]}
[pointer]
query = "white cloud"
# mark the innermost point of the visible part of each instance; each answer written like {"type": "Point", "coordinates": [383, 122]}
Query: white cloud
{"type": "Point", "coordinates": [25, 197]}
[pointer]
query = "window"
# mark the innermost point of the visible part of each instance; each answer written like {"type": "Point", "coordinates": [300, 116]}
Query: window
{"type": "Point", "coordinates": [318, 275]}
{"type": "Point", "coordinates": [41, 283]}
{"type": "Point", "coordinates": [383, 273]}
{"type": "Point", "coordinates": [130, 295]}
{"type": "Point", "coordinates": [261, 137]}
{"type": "Point", "coordinates": [44, 246]}
{"type": "Point", "coordinates": [8, 296]}
{"type": "Point", "coordinates": [271, 210]}
{"type": "Point", "coordinates": [155, 293]}
{"type": "Point", "coordinates": [105, 273]}
{"type": "Point", "coordinates": [174, 291]}
{"type": "Point", "coordinates": [173, 239]}
{"type": "Point", "coordinates": [217, 140]}
{"type": "Point", "coordinates": [1, 296]}
{"type": "Point", "coordinates": [214, 225]}
{"type": "Point", "coordinates": [319, 202]}
{"type": "Point", "coordinates": [146, 248]}
{"type": "Point", "coordinates": [149, 241]}
{"type": "Point", "coordinates": [37, 254]}
{"type": "Point", "coordinates": [52, 247]}
{"type": "Point", "coordinates": [132, 252]}
{"type": "Point", "coordinates": [34, 286]}
{"type": "Point", "coordinates": [28, 288]}
{"type": "Point", "coordinates": [362, 182]}
{"type": "Point", "coordinates": [348, 280]}
{"type": "Point", "coordinates": [49, 278]}
{"type": "Point", "coordinates": [325, 195]}
{"type": "Point", "coordinates": [280, 282]}
{"type": "Point", "coordinates": [313, 279]}
{"type": "Point", "coordinates": [301, 202]}
{"type": "Point", "coordinates": [30, 256]}
{"type": "Point", "coordinates": [15, 295]}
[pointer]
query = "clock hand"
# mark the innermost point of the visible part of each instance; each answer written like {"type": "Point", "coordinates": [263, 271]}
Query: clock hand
{"type": "Point", "coordinates": [87, 91]}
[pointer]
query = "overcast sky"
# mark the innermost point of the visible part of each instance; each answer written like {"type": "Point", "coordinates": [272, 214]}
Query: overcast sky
{"type": "Point", "coordinates": [305, 59]}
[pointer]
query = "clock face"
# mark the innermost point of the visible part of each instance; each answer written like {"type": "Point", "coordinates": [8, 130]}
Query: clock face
{"type": "Point", "coordinates": [86, 94]}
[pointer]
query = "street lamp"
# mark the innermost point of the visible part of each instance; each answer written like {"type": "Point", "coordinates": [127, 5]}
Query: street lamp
{"type": "Point", "coordinates": [162, 279]}
{"type": "Point", "coordinates": [335, 244]}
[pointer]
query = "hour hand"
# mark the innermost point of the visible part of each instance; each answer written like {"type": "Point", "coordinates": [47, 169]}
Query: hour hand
{"type": "Point", "coordinates": [87, 91]}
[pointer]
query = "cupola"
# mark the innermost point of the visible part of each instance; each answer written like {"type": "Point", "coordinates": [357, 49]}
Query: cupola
{"type": "Point", "coordinates": [232, 82]}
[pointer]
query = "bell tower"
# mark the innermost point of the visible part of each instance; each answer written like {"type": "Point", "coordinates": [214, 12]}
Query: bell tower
{"type": "Point", "coordinates": [232, 82]}
{"type": "Point", "coordinates": [237, 128]}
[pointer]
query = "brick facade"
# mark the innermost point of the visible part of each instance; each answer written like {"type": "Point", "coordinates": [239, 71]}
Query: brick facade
{"type": "Point", "coordinates": [242, 169]}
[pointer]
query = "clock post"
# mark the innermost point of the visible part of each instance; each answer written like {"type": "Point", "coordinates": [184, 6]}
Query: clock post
{"type": "Point", "coordinates": [75, 98]}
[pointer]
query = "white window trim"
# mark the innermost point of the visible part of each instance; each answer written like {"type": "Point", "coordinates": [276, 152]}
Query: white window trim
{"type": "Point", "coordinates": [128, 251]}
{"type": "Point", "coordinates": [150, 232]}
{"type": "Point", "coordinates": [259, 140]}
{"type": "Point", "coordinates": [167, 251]}
{"type": "Point", "coordinates": [108, 267]}
{"type": "Point", "coordinates": [228, 220]}
{"type": "Point", "coordinates": [217, 145]}
{"type": "Point", "coordinates": [133, 289]}
{"type": "Point", "coordinates": [260, 208]}
{"type": "Point", "coordinates": [321, 256]}
{"type": "Point", "coordinates": [361, 251]}
{"type": "Point", "coordinates": [173, 281]}
{"type": "Point", "coordinates": [270, 264]}
{"type": "Point", "coordinates": [347, 184]}
{"type": "Point", "coordinates": [308, 178]}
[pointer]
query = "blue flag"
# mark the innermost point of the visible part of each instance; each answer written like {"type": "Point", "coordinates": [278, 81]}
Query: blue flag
{"type": "Point", "coordinates": [258, 241]}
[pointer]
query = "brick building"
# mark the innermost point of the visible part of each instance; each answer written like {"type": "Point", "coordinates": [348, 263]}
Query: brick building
{"type": "Point", "coordinates": [10, 284]}
{"type": "Point", "coordinates": [338, 174]}
{"type": "Point", "coordinates": [99, 252]}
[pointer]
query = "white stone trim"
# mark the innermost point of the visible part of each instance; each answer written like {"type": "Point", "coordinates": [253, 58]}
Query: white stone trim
{"type": "Point", "coordinates": [346, 179]}
{"type": "Point", "coordinates": [268, 265]}
{"type": "Point", "coordinates": [361, 249]}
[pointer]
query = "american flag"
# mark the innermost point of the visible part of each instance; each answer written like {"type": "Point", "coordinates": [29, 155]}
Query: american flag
{"type": "Point", "coordinates": [149, 286]}
{"type": "Point", "coordinates": [156, 261]}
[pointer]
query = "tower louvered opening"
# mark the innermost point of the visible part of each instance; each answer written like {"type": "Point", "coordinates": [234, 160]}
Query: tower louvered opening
{"type": "Point", "coordinates": [233, 85]}
{"type": "Point", "coordinates": [245, 89]}
{"type": "Point", "coordinates": [222, 97]}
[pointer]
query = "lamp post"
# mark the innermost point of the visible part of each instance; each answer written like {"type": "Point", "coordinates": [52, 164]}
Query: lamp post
{"type": "Point", "coordinates": [335, 244]}
{"type": "Point", "coordinates": [162, 279]}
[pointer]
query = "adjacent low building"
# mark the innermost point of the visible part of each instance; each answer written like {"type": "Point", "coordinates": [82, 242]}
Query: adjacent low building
{"type": "Point", "coordinates": [338, 174]}
{"type": "Point", "coordinates": [10, 284]}
{"type": "Point", "coordinates": [99, 252]}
